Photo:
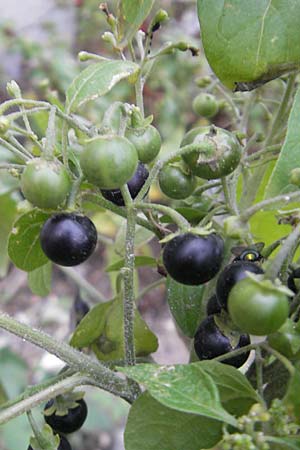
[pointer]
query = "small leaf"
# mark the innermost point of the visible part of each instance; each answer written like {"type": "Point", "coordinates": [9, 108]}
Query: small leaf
{"type": "Point", "coordinates": [250, 42]}
{"type": "Point", "coordinates": [24, 247]}
{"type": "Point", "coordinates": [131, 15]}
{"type": "Point", "coordinates": [39, 280]}
{"type": "Point", "coordinates": [103, 329]}
{"type": "Point", "coordinates": [96, 80]}
{"type": "Point", "coordinates": [152, 426]}
{"type": "Point", "coordinates": [185, 388]}
{"type": "Point", "coordinates": [139, 261]}
{"type": "Point", "coordinates": [185, 304]}
{"type": "Point", "coordinates": [91, 326]}
{"type": "Point", "coordinates": [289, 155]}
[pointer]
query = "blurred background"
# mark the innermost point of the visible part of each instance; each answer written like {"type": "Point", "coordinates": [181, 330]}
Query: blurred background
{"type": "Point", "coordinates": [39, 43]}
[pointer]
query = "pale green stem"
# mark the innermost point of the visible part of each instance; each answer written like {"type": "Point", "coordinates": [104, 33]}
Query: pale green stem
{"type": "Point", "coordinates": [43, 396]}
{"type": "Point", "coordinates": [280, 199]}
{"type": "Point", "coordinates": [101, 201]}
{"type": "Point", "coordinates": [178, 218]}
{"type": "Point", "coordinates": [75, 359]}
{"type": "Point", "coordinates": [14, 150]}
{"type": "Point", "coordinates": [288, 246]}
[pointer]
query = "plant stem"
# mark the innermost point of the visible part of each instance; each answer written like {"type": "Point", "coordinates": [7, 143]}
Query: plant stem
{"type": "Point", "coordinates": [50, 135]}
{"type": "Point", "coordinates": [177, 218]}
{"type": "Point", "coordinates": [83, 283]}
{"type": "Point", "coordinates": [285, 361]}
{"type": "Point", "coordinates": [14, 150]}
{"type": "Point", "coordinates": [274, 266]}
{"type": "Point", "coordinates": [75, 359]}
{"type": "Point", "coordinates": [99, 200]}
{"type": "Point", "coordinates": [227, 196]}
{"type": "Point", "coordinates": [259, 371]}
{"type": "Point", "coordinates": [36, 431]}
{"type": "Point", "coordinates": [43, 396]}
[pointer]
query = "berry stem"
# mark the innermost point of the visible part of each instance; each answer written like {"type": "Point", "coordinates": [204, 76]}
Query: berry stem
{"type": "Point", "coordinates": [177, 218]}
{"type": "Point", "coordinates": [50, 135]}
{"type": "Point", "coordinates": [288, 246]}
{"type": "Point", "coordinates": [36, 431]}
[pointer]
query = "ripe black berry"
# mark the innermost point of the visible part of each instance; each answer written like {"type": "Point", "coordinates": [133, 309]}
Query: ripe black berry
{"type": "Point", "coordinates": [135, 184]}
{"type": "Point", "coordinates": [191, 259]}
{"type": "Point", "coordinates": [210, 342]}
{"type": "Point", "coordinates": [69, 423]}
{"type": "Point", "coordinates": [213, 306]}
{"type": "Point", "coordinates": [68, 239]}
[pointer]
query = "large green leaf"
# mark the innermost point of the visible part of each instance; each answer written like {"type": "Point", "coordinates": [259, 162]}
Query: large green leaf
{"type": "Point", "coordinates": [186, 388]}
{"type": "Point", "coordinates": [289, 157]}
{"type": "Point", "coordinates": [131, 15]}
{"type": "Point", "coordinates": [185, 305]}
{"type": "Point", "coordinates": [96, 80]}
{"type": "Point", "coordinates": [39, 280]}
{"type": "Point", "coordinates": [250, 42]}
{"type": "Point", "coordinates": [24, 247]}
{"type": "Point", "coordinates": [152, 426]}
{"type": "Point", "coordinates": [8, 212]}
{"type": "Point", "coordinates": [285, 443]}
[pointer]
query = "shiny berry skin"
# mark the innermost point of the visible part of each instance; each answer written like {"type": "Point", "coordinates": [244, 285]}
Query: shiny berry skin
{"type": "Point", "coordinates": [135, 184]}
{"type": "Point", "coordinates": [63, 445]}
{"type": "Point", "coordinates": [210, 342]}
{"type": "Point", "coordinates": [230, 276]}
{"type": "Point", "coordinates": [45, 184]}
{"type": "Point", "coordinates": [109, 161]}
{"type": "Point", "coordinates": [213, 306]}
{"type": "Point", "coordinates": [193, 260]}
{"type": "Point", "coordinates": [69, 423]}
{"type": "Point", "coordinates": [147, 142]}
{"type": "Point", "coordinates": [175, 183]}
{"type": "Point", "coordinates": [68, 239]}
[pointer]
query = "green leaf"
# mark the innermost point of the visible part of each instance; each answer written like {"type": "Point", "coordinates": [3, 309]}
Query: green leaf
{"type": "Point", "coordinates": [131, 15]}
{"type": "Point", "coordinates": [289, 155]}
{"type": "Point", "coordinates": [103, 329]}
{"type": "Point", "coordinates": [139, 261]}
{"type": "Point", "coordinates": [187, 388]}
{"type": "Point", "coordinates": [24, 247]}
{"type": "Point", "coordinates": [236, 393]}
{"type": "Point", "coordinates": [291, 398]}
{"type": "Point", "coordinates": [185, 303]}
{"type": "Point", "coordinates": [8, 212]}
{"type": "Point", "coordinates": [52, 439]}
{"type": "Point", "coordinates": [39, 280]}
{"type": "Point", "coordinates": [250, 42]}
{"type": "Point", "coordinates": [91, 326]}
{"type": "Point", "coordinates": [96, 80]}
{"type": "Point", "coordinates": [152, 426]}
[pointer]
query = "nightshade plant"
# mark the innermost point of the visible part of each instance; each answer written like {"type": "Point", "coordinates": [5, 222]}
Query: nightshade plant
{"type": "Point", "coordinates": [243, 176]}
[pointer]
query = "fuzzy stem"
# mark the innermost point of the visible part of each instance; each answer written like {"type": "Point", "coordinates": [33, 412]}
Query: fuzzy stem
{"type": "Point", "coordinates": [178, 218]}
{"type": "Point", "coordinates": [75, 359]}
{"type": "Point", "coordinates": [274, 266]}
{"type": "Point", "coordinates": [43, 396]}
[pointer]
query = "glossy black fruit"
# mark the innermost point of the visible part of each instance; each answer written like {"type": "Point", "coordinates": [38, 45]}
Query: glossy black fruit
{"type": "Point", "coordinates": [135, 184]}
{"type": "Point", "coordinates": [191, 259]}
{"type": "Point", "coordinates": [210, 342]}
{"type": "Point", "coordinates": [213, 306]}
{"type": "Point", "coordinates": [69, 423]}
{"type": "Point", "coordinates": [68, 239]}
{"type": "Point", "coordinates": [63, 445]}
{"type": "Point", "coordinates": [230, 276]}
